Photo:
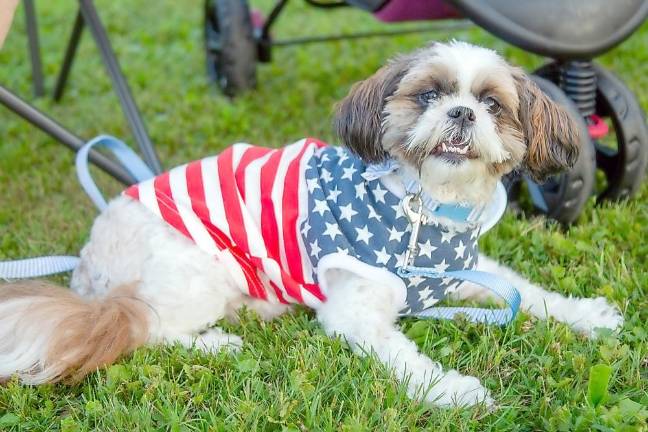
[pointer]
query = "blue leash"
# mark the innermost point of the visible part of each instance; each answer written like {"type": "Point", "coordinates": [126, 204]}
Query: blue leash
{"type": "Point", "coordinates": [494, 283]}
{"type": "Point", "coordinates": [128, 158]}
{"type": "Point", "coordinates": [49, 265]}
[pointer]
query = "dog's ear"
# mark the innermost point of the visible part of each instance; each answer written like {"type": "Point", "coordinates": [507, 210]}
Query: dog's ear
{"type": "Point", "coordinates": [359, 116]}
{"type": "Point", "coordinates": [552, 135]}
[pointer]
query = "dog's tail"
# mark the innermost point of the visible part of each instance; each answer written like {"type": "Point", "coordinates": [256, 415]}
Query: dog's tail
{"type": "Point", "coordinates": [49, 333]}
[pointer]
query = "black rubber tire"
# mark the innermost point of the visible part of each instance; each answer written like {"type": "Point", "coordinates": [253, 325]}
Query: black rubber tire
{"type": "Point", "coordinates": [230, 48]}
{"type": "Point", "coordinates": [624, 167]}
{"type": "Point", "coordinates": [562, 196]}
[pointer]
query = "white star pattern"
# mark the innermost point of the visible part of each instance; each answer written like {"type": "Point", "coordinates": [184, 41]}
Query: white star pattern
{"type": "Point", "coordinates": [460, 250]}
{"type": "Point", "coordinates": [333, 194]}
{"type": "Point", "coordinates": [429, 302]}
{"type": "Point", "coordinates": [347, 212]}
{"type": "Point", "coordinates": [424, 293]}
{"type": "Point", "coordinates": [416, 281]}
{"type": "Point", "coordinates": [326, 176]}
{"type": "Point", "coordinates": [320, 207]}
{"type": "Point", "coordinates": [382, 257]}
{"type": "Point", "coordinates": [446, 280]}
{"type": "Point", "coordinates": [373, 214]}
{"type": "Point", "coordinates": [426, 249]}
{"type": "Point", "coordinates": [380, 194]}
{"type": "Point", "coordinates": [447, 236]}
{"type": "Point", "coordinates": [332, 230]}
{"type": "Point", "coordinates": [400, 259]}
{"type": "Point", "coordinates": [312, 184]}
{"type": "Point", "coordinates": [315, 249]}
{"type": "Point", "coordinates": [358, 201]}
{"type": "Point", "coordinates": [360, 190]}
{"type": "Point", "coordinates": [468, 262]}
{"type": "Point", "coordinates": [363, 234]}
{"type": "Point", "coordinates": [394, 234]}
{"type": "Point", "coordinates": [441, 267]}
{"type": "Point", "coordinates": [348, 173]}
{"type": "Point", "coordinates": [398, 208]}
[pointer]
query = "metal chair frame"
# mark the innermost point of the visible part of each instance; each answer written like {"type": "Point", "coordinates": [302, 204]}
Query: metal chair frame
{"type": "Point", "coordinates": [86, 16]}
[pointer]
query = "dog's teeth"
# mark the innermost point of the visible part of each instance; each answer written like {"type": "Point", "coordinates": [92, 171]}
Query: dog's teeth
{"type": "Point", "coordinates": [443, 147]}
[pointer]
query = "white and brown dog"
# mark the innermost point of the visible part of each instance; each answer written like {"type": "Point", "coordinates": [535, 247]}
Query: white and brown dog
{"type": "Point", "coordinates": [163, 268]}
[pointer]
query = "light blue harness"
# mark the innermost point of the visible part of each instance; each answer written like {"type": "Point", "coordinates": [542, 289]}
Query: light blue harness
{"type": "Point", "coordinates": [415, 205]}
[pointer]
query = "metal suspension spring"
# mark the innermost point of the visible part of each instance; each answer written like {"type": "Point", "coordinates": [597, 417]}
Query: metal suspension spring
{"type": "Point", "coordinates": [577, 79]}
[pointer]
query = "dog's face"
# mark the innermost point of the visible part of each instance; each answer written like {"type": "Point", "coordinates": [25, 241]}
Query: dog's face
{"type": "Point", "coordinates": [457, 115]}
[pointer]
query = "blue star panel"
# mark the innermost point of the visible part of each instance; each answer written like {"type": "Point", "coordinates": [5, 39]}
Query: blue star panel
{"type": "Point", "coordinates": [361, 218]}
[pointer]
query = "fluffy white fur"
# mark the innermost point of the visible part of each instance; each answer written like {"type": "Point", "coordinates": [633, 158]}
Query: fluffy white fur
{"type": "Point", "coordinates": [186, 291]}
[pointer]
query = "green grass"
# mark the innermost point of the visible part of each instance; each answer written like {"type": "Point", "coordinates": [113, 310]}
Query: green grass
{"type": "Point", "coordinates": [289, 376]}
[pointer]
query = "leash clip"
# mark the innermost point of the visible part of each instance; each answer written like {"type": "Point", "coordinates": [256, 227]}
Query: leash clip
{"type": "Point", "coordinates": [413, 209]}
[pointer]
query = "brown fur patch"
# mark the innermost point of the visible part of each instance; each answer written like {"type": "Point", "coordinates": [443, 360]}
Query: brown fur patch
{"type": "Point", "coordinates": [359, 116]}
{"type": "Point", "coordinates": [552, 135]}
{"type": "Point", "coordinates": [509, 130]}
{"type": "Point", "coordinates": [489, 83]}
{"type": "Point", "coordinates": [88, 334]}
{"type": "Point", "coordinates": [429, 76]}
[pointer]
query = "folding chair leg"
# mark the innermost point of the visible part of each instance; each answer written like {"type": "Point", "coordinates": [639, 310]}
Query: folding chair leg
{"type": "Point", "coordinates": [59, 133]}
{"type": "Point", "coordinates": [34, 48]}
{"type": "Point", "coordinates": [70, 53]}
{"type": "Point", "coordinates": [93, 22]}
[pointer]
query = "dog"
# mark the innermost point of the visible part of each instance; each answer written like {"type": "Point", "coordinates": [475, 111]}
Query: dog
{"type": "Point", "coordinates": [163, 266]}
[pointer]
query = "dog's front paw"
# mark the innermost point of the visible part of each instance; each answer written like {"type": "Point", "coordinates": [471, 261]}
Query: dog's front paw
{"type": "Point", "coordinates": [591, 314]}
{"type": "Point", "coordinates": [456, 390]}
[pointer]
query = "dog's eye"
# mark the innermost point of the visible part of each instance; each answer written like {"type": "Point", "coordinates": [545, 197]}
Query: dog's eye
{"type": "Point", "coordinates": [428, 96]}
{"type": "Point", "coordinates": [492, 105]}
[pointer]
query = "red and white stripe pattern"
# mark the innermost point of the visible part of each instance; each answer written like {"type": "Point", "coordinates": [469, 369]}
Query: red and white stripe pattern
{"type": "Point", "coordinates": [245, 207]}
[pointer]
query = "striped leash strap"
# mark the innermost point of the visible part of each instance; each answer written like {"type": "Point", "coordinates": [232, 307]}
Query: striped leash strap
{"type": "Point", "coordinates": [496, 284]}
{"type": "Point", "coordinates": [48, 265]}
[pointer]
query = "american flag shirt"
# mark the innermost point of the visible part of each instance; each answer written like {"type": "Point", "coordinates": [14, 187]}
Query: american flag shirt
{"type": "Point", "coordinates": [280, 218]}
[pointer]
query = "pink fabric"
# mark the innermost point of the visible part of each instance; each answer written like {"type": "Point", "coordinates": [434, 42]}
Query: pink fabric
{"type": "Point", "coordinates": [415, 10]}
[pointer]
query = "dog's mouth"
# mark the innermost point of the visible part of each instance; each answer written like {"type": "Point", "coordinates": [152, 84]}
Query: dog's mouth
{"type": "Point", "coordinates": [454, 149]}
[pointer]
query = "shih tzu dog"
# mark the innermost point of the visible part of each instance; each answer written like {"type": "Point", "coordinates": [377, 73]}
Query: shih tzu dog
{"type": "Point", "coordinates": [311, 224]}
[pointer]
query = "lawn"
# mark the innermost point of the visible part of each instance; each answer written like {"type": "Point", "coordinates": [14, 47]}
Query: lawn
{"type": "Point", "coordinates": [290, 376]}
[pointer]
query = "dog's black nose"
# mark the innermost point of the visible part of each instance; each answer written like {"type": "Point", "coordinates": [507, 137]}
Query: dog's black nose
{"type": "Point", "coordinates": [461, 114]}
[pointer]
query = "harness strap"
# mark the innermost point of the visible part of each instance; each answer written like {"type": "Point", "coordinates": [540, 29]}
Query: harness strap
{"type": "Point", "coordinates": [494, 283]}
{"type": "Point", "coordinates": [48, 265]}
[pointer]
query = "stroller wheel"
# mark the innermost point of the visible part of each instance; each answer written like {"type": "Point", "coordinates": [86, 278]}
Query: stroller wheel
{"type": "Point", "coordinates": [562, 196]}
{"type": "Point", "coordinates": [230, 48]}
{"type": "Point", "coordinates": [624, 160]}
